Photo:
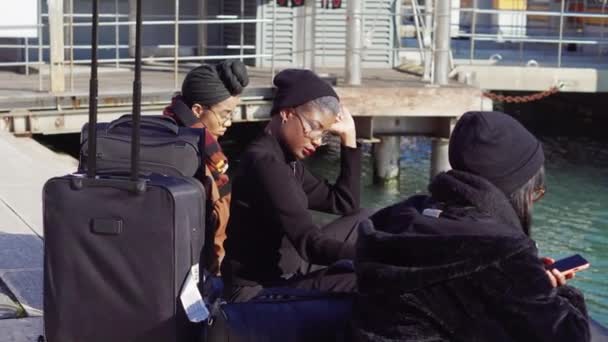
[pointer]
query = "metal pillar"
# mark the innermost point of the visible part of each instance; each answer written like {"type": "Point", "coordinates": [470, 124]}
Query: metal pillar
{"type": "Point", "coordinates": [354, 41]}
{"type": "Point", "coordinates": [442, 42]}
{"type": "Point", "coordinates": [440, 161]}
{"type": "Point", "coordinates": [56, 45]}
{"type": "Point", "coordinates": [309, 38]}
{"type": "Point", "coordinates": [386, 160]}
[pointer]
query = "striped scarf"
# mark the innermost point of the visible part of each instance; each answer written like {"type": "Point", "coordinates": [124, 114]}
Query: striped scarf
{"type": "Point", "coordinates": [212, 153]}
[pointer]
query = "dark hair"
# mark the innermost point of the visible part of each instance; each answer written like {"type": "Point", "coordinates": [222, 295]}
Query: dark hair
{"type": "Point", "coordinates": [522, 199]}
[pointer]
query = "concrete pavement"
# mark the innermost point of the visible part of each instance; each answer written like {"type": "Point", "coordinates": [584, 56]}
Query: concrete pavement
{"type": "Point", "coordinates": [26, 166]}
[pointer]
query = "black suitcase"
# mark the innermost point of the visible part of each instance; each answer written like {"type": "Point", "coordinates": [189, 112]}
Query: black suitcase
{"type": "Point", "coordinates": [118, 248]}
{"type": "Point", "coordinates": [166, 148]}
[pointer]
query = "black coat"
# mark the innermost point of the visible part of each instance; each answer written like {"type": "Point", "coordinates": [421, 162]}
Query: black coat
{"type": "Point", "coordinates": [270, 229]}
{"type": "Point", "coordinates": [470, 274]}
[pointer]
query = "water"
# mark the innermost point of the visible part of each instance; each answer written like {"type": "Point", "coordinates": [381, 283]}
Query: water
{"type": "Point", "coordinates": [571, 218]}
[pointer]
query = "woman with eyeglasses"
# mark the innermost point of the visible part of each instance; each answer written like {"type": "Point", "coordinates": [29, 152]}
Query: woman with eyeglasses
{"type": "Point", "coordinates": [271, 232]}
{"type": "Point", "coordinates": [210, 94]}
{"type": "Point", "coordinates": [460, 264]}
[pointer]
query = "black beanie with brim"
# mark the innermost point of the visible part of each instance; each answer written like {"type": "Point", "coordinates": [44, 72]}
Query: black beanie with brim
{"type": "Point", "coordinates": [497, 147]}
{"type": "Point", "coordinates": [295, 87]}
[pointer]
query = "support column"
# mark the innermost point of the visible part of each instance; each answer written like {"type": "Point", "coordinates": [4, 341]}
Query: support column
{"type": "Point", "coordinates": [385, 157]}
{"type": "Point", "coordinates": [56, 46]}
{"type": "Point", "coordinates": [354, 41]}
{"type": "Point", "coordinates": [440, 160]}
{"type": "Point", "coordinates": [442, 42]}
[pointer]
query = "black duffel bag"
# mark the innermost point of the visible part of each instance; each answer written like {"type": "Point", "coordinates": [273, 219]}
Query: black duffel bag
{"type": "Point", "coordinates": [165, 147]}
{"type": "Point", "coordinates": [283, 314]}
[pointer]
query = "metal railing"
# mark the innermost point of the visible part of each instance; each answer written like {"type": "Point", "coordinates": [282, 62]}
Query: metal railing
{"type": "Point", "coordinates": [423, 16]}
{"type": "Point", "coordinates": [559, 34]}
{"type": "Point", "coordinates": [73, 21]}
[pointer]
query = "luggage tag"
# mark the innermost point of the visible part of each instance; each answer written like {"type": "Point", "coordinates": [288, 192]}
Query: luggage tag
{"type": "Point", "coordinates": [191, 298]}
{"type": "Point", "coordinates": [432, 212]}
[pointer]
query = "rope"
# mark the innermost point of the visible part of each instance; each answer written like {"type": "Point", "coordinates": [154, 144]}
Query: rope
{"type": "Point", "coordinates": [524, 98]}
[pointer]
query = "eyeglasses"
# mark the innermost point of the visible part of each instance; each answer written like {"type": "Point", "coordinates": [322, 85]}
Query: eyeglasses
{"type": "Point", "coordinates": [538, 194]}
{"type": "Point", "coordinates": [222, 121]}
{"type": "Point", "coordinates": [319, 135]}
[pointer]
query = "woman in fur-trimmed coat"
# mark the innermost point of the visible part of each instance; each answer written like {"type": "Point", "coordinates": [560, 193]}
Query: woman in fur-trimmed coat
{"type": "Point", "coordinates": [459, 265]}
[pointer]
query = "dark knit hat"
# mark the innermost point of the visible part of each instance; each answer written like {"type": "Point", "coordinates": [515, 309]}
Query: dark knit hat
{"type": "Point", "coordinates": [496, 147]}
{"type": "Point", "coordinates": [298, 86]}
{"type": "Point", "coordinates": [209, 84]}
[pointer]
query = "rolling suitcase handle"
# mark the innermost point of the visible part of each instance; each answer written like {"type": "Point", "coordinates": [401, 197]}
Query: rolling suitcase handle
{"type": "Point", "coordinates": [135, 183]}
{"type": "Point", "coordinates": [93, 86]}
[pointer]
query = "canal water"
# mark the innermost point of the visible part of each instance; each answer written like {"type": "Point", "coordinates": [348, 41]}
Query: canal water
{"type": "Point", "coordinates": [571, 218]}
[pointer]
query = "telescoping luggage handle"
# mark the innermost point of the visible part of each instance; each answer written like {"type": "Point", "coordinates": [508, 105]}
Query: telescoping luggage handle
{"type": "Point", "coordinates": [135, 183]}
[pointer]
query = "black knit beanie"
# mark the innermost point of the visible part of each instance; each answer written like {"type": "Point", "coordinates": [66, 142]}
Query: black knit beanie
{"type": "Point", "coordinates": [496, 147]}
{"type": "Point", "coordinates": [298, 86]}
{"type": "Point", "coordinates": [209, 84]}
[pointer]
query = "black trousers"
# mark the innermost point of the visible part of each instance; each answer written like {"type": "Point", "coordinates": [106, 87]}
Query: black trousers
{"type": "Point", "coordinates": [339, 277]}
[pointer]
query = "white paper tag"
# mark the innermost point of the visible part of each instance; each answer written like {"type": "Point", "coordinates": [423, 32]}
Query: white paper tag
{"type": "Point", "coordinates": [191, 298]}
{"type": "Point", "coordinates": [432, 212]}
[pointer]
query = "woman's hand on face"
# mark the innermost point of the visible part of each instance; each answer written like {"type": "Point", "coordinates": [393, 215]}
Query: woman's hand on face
{"type": "Point", "coordinates": [556, 277]}
{"type": "Point", "coordinates": [345, 128]}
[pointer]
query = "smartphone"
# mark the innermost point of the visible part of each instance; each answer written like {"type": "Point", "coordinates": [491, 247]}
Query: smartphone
{"type": "Point", "coordinates": [570, 264]}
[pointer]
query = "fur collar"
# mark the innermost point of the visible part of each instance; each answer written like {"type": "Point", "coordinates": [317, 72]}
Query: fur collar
{"type": "Point", "coordinates": [404, 250]}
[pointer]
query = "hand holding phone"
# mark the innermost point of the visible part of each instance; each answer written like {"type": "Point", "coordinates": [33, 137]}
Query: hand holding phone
{"type": "Point", "coordinates": [570, 264]}
{"type": "Point", "coordinates": [559, 271]}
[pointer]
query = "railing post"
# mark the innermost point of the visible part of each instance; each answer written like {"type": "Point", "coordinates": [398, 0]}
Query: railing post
{"type": "Point", "coordinates": [56, 45]}
{"type": "Point", "coordinates": [309, 41]}
{"type": "Point", "coordinates": [473, 32]}
{"type": "Point", "coordinates": [40, 62]}
{"type": "Point", "coordinates": [442, 36]}
{"type": "Point", "coordinates": [176, 47]}
{"type": "Point", "coordinates": [242, 37]}
{"type": "Point", "coordinates": [71, 42]}
{"type": "Point", "coordinates": [427, 39]}
{"type": "Point", "coordinates": [300, 35]}
{"type": "Point", "coordinates": [117, 34]}
{"type": "Point", "coordinates": [202, 28]}
{"type": "Point", "coordinates": [27, 56]}
{"type": "Point", "coordinates": [132, 14]}
{"type": "Point", "coordinates": [354, 42]}
{"type": "Point", "coordinates": [561, 34]}
{"type": "Point", "coordinates": [274, 40]}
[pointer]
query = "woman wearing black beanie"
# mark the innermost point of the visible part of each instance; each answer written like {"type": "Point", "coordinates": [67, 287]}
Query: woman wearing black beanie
{"type": "Point", "coordinates": [210, 94]}
{"type": "Point", "coordinates": [271, 232]}
{"type": "Point", "coordinates": [460, 264]}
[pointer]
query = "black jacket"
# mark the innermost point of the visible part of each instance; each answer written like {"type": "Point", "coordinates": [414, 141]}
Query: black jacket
{"type": "Point", "coordinates": [270, 229]}
{"type": "Point", "coordinates": [470, 274]}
